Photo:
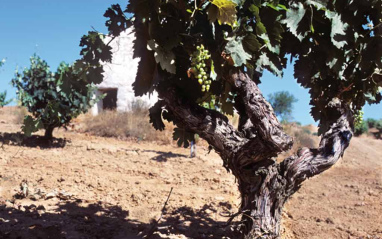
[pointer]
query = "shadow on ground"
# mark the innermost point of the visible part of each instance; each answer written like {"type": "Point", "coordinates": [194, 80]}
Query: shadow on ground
{"type": "Point", "coordinates": [75, 219]}
{"type": "Point", "coordinates": [163, 156]}
{"type": "Point", "coordinates": [31, 142]}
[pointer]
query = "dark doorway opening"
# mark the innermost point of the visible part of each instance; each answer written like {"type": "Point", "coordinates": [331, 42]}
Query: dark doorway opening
{"type": "Point", "coordinates": [110, 100]}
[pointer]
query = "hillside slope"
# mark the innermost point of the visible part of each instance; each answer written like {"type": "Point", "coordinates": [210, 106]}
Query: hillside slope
{"type": "Point", "coordinates": [92, 187]}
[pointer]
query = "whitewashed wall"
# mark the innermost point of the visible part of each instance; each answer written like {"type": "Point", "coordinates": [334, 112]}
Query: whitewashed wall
{"type": "Point", "coordinates": [121, 73]}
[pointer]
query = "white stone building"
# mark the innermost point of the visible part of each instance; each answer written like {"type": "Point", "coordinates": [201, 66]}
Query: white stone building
{"type": "Point", "coordinates": [119, 76]}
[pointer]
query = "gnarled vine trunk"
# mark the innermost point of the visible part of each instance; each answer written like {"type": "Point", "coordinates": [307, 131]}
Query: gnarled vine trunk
{"type": "Point", "coordinates": [248, 151]}
{"type": "Point", "coordinates": [48, 132]}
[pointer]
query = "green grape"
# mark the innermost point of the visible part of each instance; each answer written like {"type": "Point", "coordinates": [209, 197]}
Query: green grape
{"type": "Point", "coordinates": [358, 118]}
{"type": "Point", "coordinates": [200, 70]}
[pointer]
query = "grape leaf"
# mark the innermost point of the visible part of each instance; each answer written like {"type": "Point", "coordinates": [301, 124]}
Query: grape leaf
{"type": "Point", "coordinates": [250, 43]}
{"type": "Point", "coordinates": [224, 11]}
{"type": "Point", "coordinates": [156, 115]}
{"type": "Point", "coordinates": [239, 3]}
{"type": "Point", "coordinates": [117, 22]}
{"type": "Point", "coordinates": [260, 28]}
{"type": "Point", "coordinates": [166, 58]}
{"type": "Point", "coordinates": [338, 28]}
{"type": "Point", "coordinates": [270, 62]}
{"type": "Point", "coordinates": [294, 16]}
{"type": "Point", "coordinates": [182, 137]}
{"type": "Point", "coordinates": [143, 8]}
{"type": "Point", "coordinates": [147, 65]}
{"type": "Point", "coordinates": [31, 125]}
{"type": "Point", "coordinates": [235, 48]}
{"type": "Point", "coordinates": [94, 49]}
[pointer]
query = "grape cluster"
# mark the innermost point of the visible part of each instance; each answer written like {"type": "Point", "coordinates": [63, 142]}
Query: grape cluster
{"type": "Point", "coordinates": [358, 118]}
{"type": "Point", "coordinates": [199, 63]}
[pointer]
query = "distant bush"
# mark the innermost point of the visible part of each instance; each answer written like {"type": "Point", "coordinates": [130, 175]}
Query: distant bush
{"type": "Point", "coordinates": [3, 101]}
{"type": "Point", "coordinates": [133, 124]}
{"type": "Point", "coordinates": [361, 128]}
{"type": "Point", "coordinates": [378, 127]}
{"type": "Point", "coordinates": [371, 123]}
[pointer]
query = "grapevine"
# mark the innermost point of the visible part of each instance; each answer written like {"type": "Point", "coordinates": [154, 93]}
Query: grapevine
{"type": "Point", "coordinates": [358, 118]}
{"type": "Point", "coordinates": [200, 60]}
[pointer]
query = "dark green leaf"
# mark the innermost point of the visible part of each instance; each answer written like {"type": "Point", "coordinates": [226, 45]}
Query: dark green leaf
{"type": "Point", "coordinates": [156, 115]}
{"type": "Point", "coordinates": [182, 137]}
{"type": "Point", "coordinates": [235, 48]}
{"type": "Point", "coordinates": [251, 44]}
{"type": "Point", "coordinates": [166, 58]}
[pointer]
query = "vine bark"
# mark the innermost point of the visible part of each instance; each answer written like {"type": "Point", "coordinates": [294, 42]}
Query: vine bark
{"type": "Point", "coordinates": [248, 151]}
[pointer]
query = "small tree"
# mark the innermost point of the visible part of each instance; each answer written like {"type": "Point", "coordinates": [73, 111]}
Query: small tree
{"type": "Point", "coordinates": [54, 99]}
{"type": "Point", "coordinates": [3, 101]}
{"type": "Point", "coordinates": [205, 59]}
{"type": "Point", "coordinates": [282, 104]}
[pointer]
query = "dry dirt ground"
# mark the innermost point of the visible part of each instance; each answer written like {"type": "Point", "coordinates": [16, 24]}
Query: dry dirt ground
{"type": "Point", "coordinates": [83, 186]}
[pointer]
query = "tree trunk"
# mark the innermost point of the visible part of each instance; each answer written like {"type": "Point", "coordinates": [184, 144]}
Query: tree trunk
{"type": "Point", "coordinates": [262, 200]}
{"type": "Point", "coordinates": [248, 151]}
{"type": "Point", "coordinates": [49, 132]}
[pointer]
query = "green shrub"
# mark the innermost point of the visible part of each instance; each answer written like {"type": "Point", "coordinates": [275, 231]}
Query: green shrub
{"type": "Point", "coordinates": [371, 123]}
{"type": "Point", "coordinates": [378, 126]}
{"type": "Point", "coordinates": [53, 99]}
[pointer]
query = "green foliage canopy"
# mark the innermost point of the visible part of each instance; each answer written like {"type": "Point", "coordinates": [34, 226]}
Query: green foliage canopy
{"type": "Point", "coordinates": [282, 103]}
{"type": "Point", "coordinates": [54, 99]}
{"type": "Point", "coordinates": [334, 44]}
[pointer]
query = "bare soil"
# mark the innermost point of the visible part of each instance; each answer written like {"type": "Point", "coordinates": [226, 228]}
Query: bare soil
{"type": "Point", "coordinates": [82, 186]}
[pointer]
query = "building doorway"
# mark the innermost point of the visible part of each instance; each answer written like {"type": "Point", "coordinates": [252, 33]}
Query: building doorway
{"type": "Point", "coordinates": [110, 100]}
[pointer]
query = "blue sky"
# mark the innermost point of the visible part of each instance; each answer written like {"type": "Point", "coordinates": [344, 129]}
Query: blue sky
{"type": "Point", "coordinates": [53, 29]}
